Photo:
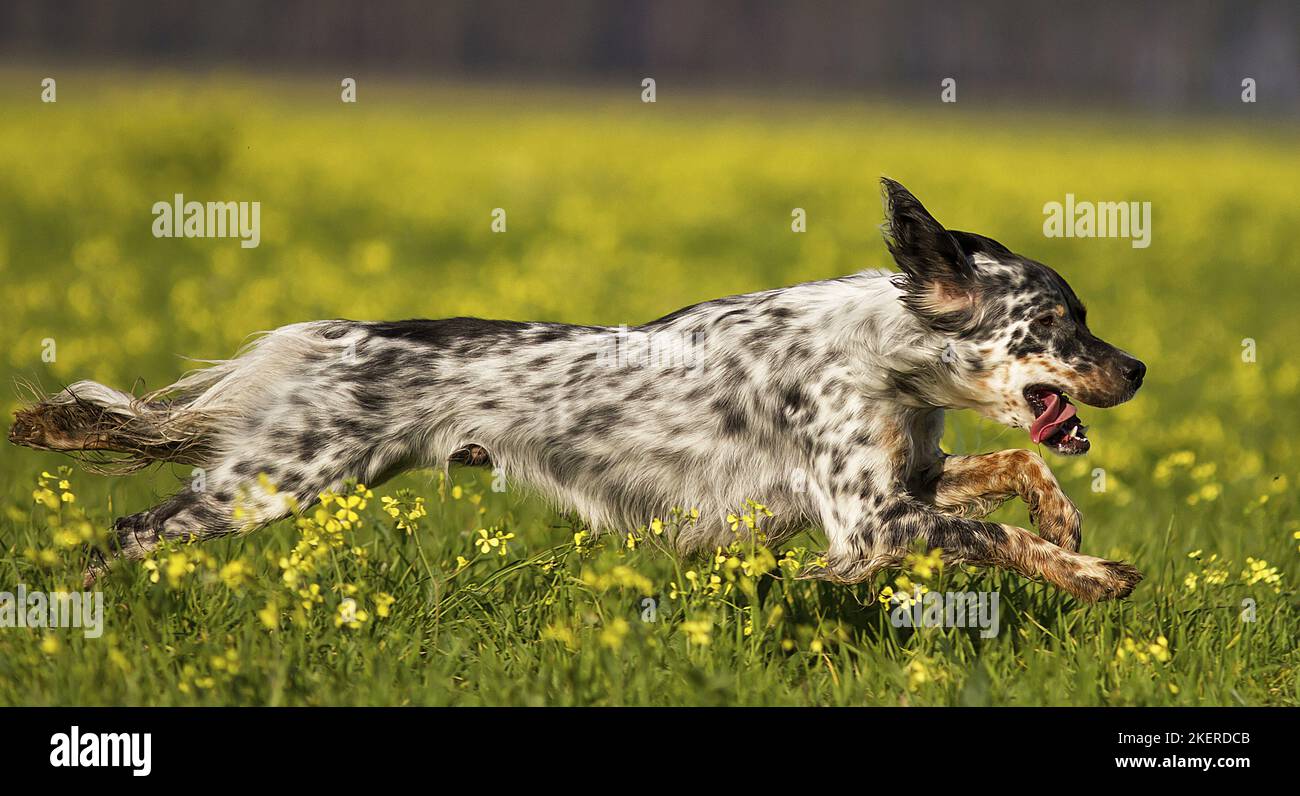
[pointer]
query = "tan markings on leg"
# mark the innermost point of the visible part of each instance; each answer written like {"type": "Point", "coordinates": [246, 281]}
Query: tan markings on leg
{"type": "Point", "coordinates": [1085, 577]}
{"type": "Point", "coordinates": [973, 486]}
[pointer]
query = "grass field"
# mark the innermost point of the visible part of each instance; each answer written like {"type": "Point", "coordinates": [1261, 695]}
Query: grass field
{"type": "Point", "coordinates": [618, 212]}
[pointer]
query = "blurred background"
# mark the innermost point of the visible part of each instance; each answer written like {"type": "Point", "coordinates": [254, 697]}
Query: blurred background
{"type": "Point", "coordinates": [1145, 55]}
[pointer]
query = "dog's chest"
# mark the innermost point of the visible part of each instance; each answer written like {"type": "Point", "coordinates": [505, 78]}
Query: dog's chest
{"type": "Point", "coordinates": [919, 457]}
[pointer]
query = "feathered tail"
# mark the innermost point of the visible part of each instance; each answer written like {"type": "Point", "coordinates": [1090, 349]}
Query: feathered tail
{"type": "Point", "coordinates": [93, 422]}
{"type": "Point", "coordinates": [113, 431]}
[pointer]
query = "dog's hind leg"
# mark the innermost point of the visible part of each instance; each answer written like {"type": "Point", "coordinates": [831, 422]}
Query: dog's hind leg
{"type": "Point", "coordinates": [471, 456]}
{"type": "Point", "coordinates": [973, 486]}
{"type": "Point", "coordinates": [188, 515]}
{"type": "Point", "coordinates": [133, 537]}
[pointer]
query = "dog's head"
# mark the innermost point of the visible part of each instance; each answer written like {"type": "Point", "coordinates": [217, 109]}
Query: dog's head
{"type": "Point", "coordinates": [1014, 337]}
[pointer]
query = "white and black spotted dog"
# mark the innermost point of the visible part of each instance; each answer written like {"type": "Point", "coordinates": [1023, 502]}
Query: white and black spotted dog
{"type": "Point", "coordinates": [825, 401]}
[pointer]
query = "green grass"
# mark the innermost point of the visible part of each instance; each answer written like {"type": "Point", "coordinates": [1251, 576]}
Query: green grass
{"type": "Point", "coordinates": [619, 212]}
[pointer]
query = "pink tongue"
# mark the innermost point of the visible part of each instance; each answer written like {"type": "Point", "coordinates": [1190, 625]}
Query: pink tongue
{"type": "Point", "coordinates": [1053, 416]}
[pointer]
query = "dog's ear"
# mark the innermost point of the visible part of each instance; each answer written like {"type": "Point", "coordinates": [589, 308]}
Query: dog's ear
{"type": "Point", "coordinates": [920, 245]}
{"type": "Point", "coordinates": [940, 277]}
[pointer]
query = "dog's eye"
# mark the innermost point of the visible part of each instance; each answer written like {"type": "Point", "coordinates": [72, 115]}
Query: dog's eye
{"type": "Point", "coordinates": [1046, 320]}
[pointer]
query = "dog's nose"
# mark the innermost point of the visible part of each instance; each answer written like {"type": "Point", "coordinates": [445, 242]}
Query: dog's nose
{"type": "Point", "coordinates": [1134, 371]}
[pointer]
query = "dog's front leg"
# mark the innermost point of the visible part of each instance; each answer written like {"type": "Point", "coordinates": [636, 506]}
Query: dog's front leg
{"type": "Point", "coordinates": [973, 486]}
{"type": "Point", "coordinates": [885, 530]}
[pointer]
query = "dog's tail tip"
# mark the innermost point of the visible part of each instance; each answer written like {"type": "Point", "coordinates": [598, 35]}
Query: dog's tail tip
{"type": "Point", "coordinates": [88, 419]}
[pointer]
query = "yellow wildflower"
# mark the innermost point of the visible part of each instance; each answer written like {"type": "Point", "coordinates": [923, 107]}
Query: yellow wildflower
{"type": "Point", "coordinates": [698, 632]}
{"type": "Point", "coordinates": [614, 632]}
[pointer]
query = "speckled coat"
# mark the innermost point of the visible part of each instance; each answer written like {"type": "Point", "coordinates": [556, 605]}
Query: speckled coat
{"type": "Point", "coordinates": [825, 401]}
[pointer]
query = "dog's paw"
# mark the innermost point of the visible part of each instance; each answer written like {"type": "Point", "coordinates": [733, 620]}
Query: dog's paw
{"type": "Point", "coordinates": [817, 569]}
{"type": "Point", "coordinates": [842, 571]}
{"type": "Point", "coordinates": [1101, 580]}
{"type": "Point", "coordinates": [97, 564]}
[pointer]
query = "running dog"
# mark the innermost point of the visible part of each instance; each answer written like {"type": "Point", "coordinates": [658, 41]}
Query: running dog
{"type": "Point", "coordinates": [824, 400]}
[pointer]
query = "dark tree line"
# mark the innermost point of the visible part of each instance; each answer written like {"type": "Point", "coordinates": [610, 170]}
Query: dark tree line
{"type": "Point", "coordinates": [1164, 55]}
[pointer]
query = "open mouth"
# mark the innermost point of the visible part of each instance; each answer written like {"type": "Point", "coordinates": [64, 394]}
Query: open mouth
{"type": "Point", "coordinates": [1056, 421]}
